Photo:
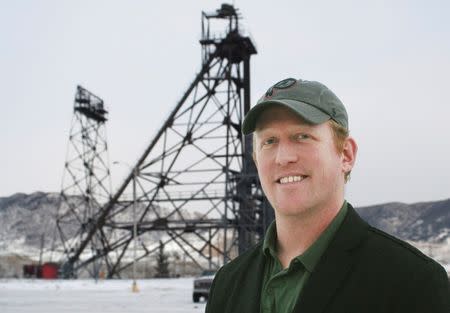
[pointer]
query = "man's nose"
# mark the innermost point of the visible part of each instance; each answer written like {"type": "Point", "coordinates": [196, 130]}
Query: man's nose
{"type": "Point", "coordinates": [286, 154]}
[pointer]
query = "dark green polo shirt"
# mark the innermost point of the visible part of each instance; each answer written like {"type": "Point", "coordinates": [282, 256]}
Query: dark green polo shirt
{"type": "Point", "coordinates": [282, 287]}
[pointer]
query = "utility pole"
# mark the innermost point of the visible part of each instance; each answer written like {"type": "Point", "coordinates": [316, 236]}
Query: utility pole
{"type": "Point", "coordinates": [134, 287]}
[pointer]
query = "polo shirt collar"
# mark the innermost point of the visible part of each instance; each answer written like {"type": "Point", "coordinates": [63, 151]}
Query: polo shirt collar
{"type": "Point", "coordinates": [269, 244]}
{"type": "Point", "coordinates": [311, 256]}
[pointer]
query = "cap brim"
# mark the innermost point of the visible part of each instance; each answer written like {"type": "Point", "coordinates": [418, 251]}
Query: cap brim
{"type": "Point", "coordinates": [306, 111]}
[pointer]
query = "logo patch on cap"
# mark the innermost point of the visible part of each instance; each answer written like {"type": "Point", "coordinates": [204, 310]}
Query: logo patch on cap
{"type": "Point", "coordinates": [285, 83]}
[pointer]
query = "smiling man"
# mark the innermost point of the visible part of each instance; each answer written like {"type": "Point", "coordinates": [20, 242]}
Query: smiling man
{"type": "Point", "coordinates": [319, 256]}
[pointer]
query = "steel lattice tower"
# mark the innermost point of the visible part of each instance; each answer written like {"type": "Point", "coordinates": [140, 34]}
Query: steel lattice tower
{"type": "Point", "coordinates": [86, 183]}
{"type": "Point", "coordinates": [195, 185]}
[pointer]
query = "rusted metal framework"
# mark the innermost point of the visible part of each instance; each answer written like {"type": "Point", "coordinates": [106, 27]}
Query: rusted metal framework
{"type": "Point", "coordinates": [195, 187]}
{"type": "Point", "coordinates": [86, 183]}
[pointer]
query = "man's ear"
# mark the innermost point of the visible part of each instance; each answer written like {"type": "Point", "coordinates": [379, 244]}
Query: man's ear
{"type": "Point", "coordinates": [254, 158]}
{"type": "Point", "coordinates": [253, 149]}
{"type": "Point", "coordinates": [349, 151]}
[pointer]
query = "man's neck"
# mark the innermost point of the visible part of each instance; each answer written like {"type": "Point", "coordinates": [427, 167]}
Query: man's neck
{"type": "Point", "coordinates": [296, 234]}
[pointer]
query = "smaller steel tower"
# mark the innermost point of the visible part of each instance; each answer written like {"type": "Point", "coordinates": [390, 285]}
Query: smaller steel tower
{"type": "Point", "coordinates": [86, 183]}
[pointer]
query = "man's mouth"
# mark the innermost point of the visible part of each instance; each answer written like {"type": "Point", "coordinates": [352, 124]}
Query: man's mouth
{"type": "Point", "coordinates": [290, 179]}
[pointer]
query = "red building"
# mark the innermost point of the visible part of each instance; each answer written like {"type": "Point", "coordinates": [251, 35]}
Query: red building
{"type": "Point", "coordinates": [46, 270]}
{"type": "Point", "coordinates": [50, 271]}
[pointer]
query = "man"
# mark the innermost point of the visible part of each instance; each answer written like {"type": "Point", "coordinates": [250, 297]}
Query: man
{"type": "Point", "coordinates": [319, 256]}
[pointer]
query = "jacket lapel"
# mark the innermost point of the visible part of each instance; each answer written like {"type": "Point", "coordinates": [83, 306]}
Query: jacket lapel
{"type": "Point", "coordinates": [334, 265]}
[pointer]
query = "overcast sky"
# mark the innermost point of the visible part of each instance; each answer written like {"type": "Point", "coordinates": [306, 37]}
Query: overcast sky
{"type": "Point", "coordinates": [388, 61]}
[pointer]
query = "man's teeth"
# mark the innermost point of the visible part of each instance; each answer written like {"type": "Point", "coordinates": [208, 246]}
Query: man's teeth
{"type": "Point", "coordinates": [290, 179]}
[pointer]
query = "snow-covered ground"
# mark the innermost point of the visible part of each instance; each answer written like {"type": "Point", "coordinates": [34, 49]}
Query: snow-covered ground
{"type": "Point", "coordinates": [64, 296]}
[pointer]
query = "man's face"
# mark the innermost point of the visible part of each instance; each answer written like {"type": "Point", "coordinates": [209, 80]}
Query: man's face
{"type": "Point", "coordinates": [300, 169]}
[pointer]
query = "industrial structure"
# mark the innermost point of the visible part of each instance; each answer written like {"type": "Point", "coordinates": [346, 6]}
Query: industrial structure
{"type": "Point", "coordinates": [195, 188]}
{"type": "Point", "coordinates": [86, 183]}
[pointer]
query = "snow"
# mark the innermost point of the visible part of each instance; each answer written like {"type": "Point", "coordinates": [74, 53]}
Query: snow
{"type": "Point", "coordinates": [64, 296]}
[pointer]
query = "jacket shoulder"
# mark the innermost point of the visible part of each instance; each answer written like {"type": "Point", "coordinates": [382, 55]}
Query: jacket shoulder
{"type": "Point", "coordinates": [399, 257]}
{"type": "Point", "coordinates": [401, 245]}
{"type": "Point", "coordinates": [394, 245]}
{"type": "Point", "coordinates": [422, 282]}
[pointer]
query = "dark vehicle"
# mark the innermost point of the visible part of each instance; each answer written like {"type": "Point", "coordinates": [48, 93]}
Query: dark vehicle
{"type": "Point", "coordinates": [202, 285]}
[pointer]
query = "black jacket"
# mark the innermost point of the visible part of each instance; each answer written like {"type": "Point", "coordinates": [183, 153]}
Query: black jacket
{"type": "Point", "coordinates": [363, 270]}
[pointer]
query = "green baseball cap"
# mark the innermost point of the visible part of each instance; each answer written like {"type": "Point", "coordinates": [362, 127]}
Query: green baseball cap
{"type": "Point", "coordinates": [311, 100]}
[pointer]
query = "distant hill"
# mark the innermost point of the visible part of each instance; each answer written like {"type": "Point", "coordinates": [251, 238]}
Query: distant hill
{"type": "Point", "coordinates": [28, 221]}
{"type": "Point", "coordinates": [27, 218]}
{"type": "Point", "coordinates": [424, 221]}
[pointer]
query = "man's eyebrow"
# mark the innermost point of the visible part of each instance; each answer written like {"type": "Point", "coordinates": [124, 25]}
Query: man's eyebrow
{"type": "Point", "coordinates": [266, 132]}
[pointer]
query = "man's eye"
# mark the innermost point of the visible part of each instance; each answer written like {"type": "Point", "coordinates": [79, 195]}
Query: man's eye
{"type": "Point", "coordinates": [269, 141]}
{"type": "Point", "coordinates": [302, 136]}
